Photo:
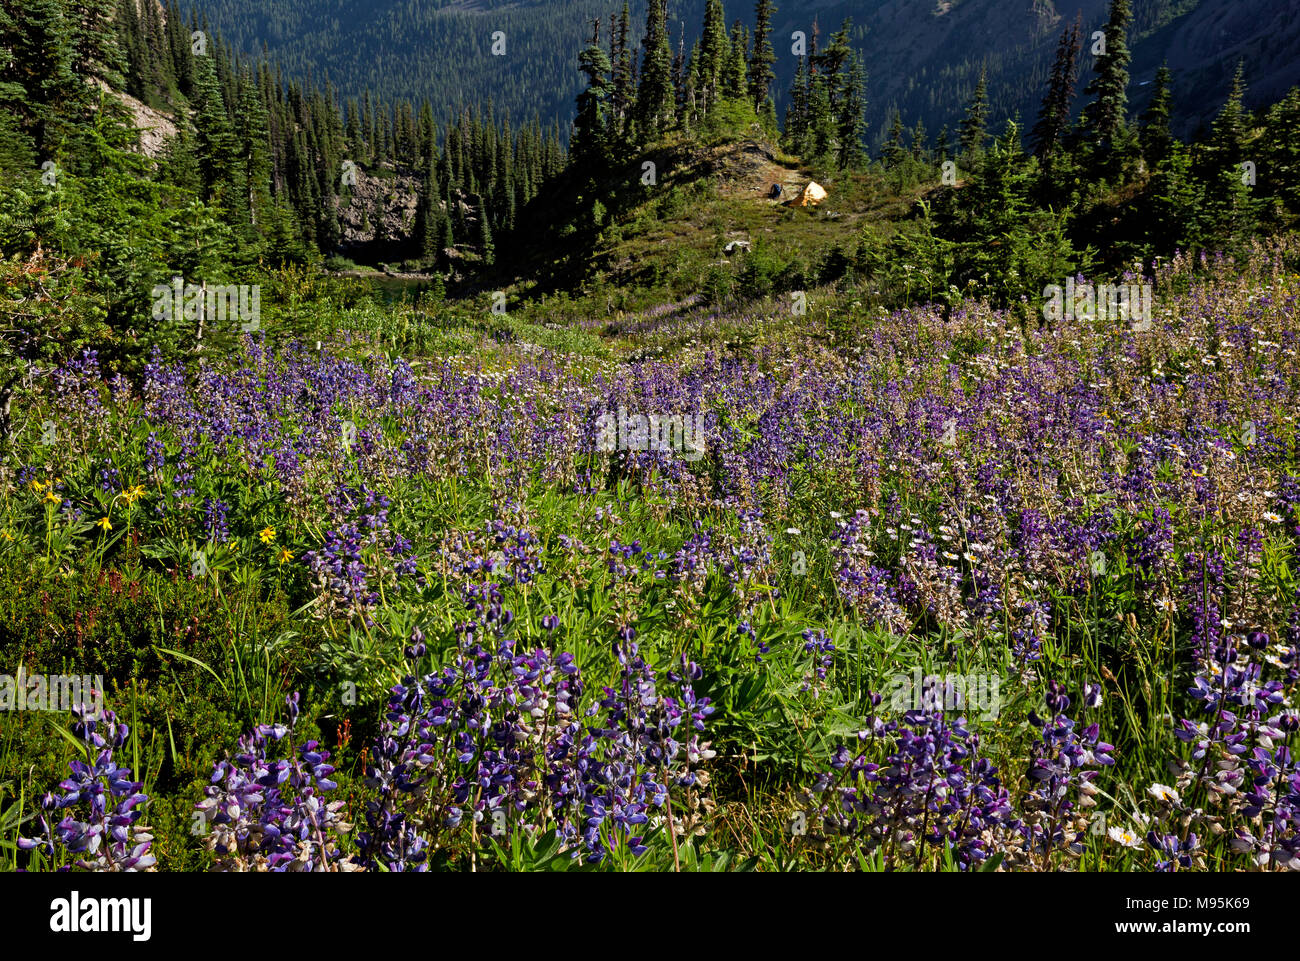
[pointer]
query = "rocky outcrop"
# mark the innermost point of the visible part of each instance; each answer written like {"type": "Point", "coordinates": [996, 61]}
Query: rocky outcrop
{"type": "Point", "coordinates": [379, 209]}
{"type": "Point", "coordinates": [154, 128]}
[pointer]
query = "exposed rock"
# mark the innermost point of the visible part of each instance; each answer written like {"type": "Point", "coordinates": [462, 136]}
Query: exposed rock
{"type": "Point", "coordinates": [154, 128]}
{"type": "Point", "coordinates": [379, 209]}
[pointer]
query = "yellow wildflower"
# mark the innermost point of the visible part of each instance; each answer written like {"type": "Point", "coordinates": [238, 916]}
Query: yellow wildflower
{"type": "Point", "coordinates": [53, 498]}
{"type": "Point", "coordinates": [285, 555]}
{"type": "Point", "coordinates": [267, 534]}
{"type": "Point", "coordinates": [104, 524]}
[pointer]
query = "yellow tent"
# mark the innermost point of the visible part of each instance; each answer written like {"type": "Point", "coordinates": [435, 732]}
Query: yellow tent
{"type": "Point", "coordinates": [813, 194]}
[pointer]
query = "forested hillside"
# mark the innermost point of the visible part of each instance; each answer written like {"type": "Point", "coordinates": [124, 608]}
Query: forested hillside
{"type": "Point", "coordinates": [924, 56]}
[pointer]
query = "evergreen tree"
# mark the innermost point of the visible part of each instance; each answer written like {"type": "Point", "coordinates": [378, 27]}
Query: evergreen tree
{"type": "Point", "coordinates": [254, 161]}
{"type": "Point", "coordinates": [95, 40]}
{"type": "Point", "coordinates": [712, 56]}
{"type": "Point", "coordinates": [763, 57]}
{"type": "Point", "coordinates": [681, 95]}
{"type": "Point", "coordinates": [592, 126]}
{"type": "Point", "coordinates": [973, 127]}
{"type": "Point", "coordinates": [217, 145]}
{"type": "Point", "coordinates": [821, 122]}
{"type": "Point", "coordinates": [624, 94]}
{"type": "Point", "coordinates": [1229, 206]}
{"type": "Point", "coordinates": [1005, 244]}
{"type": "Point", "coordinates": [941, 146]}
{"type": "Point", "coordinates": [1174, 202]}
{"type": "Point", "coordinates": [894, 153]}
{"type": "Point", "coordinates": [920, 143]}
{"type": "Point", "coordinates": [796, 112]}
{"type": "Point", "coordinates": [40, 64]}
{"type": "Point", "coordinates": [735, 85]}
{"type": "Point", "coordinates": [1054, 117]}
{"type": "Point", "coordinates": [1279, 147]}
{"type": "Point", "coordinates": [1156, 138]}
{"type": "Point", "coordinates": [655, 100]}
{"type": "Point", "coordinates": [848, 86]}
{"type": "Point", "coordinates": [485, 232]}
{"type": "Point", "coordinates": [1105, 117]}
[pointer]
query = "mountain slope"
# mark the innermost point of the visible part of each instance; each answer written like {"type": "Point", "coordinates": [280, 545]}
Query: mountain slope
{"type": "Point", "coordinates": [924, 56]}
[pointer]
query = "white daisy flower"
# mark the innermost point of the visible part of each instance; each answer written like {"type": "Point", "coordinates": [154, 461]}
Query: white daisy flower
{"type": "Point", "coordinates": [1126, 837]}
{"type": "Point", "coordinates": [1163, 792]}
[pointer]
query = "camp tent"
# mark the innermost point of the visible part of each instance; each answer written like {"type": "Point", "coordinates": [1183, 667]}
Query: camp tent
{"type": "Point", "coordinates": [813, 194]}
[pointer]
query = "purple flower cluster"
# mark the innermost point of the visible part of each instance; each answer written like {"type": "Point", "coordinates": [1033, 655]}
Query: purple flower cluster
{"type": "Point", "coordinates": [495, 742]}
{"type": "Point", "coordinates": [1062, 767]}
{"type": "Point", "coordinates": [266, 813]}
{"type": "Point", "coordinates": [931, 791]}
{"type": "Point", "coordinates": [102, 825]}
{"type": "Point", "coordinates": [918, 789]}
{"type": "Point", "coordinates": [1240, 760]}
{"type": "Point", "coordinates": [359, 552]}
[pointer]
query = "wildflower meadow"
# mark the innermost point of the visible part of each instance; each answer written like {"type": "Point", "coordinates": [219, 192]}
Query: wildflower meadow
{"type": "Point", "coordinates": [988, 595]}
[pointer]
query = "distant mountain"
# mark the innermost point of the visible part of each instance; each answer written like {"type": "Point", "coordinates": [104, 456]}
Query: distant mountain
{"type": "Point", "coordinates": [923, 56]}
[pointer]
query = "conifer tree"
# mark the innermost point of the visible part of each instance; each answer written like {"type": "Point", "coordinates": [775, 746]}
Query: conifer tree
{"type": "Point", "coordinates": [1279, 168]}
{"type": "Point", "coordinates": [735, 81]}
{"type": "Point", "coordinates": [1156, 137]}
{"type": "Point", "coordinates": [485, 231]}
{"type": "Point", "coordinates": [41, 60]}
{"type": "Point", "coordinates": [254, 159]}
{"type": "Point", "coordinates": [973, 127]}
{"type": "Point", "coordinates": [624, 94]}
{"type": "Point", "coordinates": [1105, 117]}
{"type": "Point", "coordinates": [95, 40]}
{"type": "Point", "coordinates": [796, 112]}
{"type": "Point", "coordinates": [591, 128]}
{"type": "Point", "coordinates": [1230, 208]}
{"type": "Point", "coordinates": [920, 143]}
{"type": "Point", "coordinates": [893, 152]}
{"type": "Point", "coordinates": [763, 57]}
{"type": "Point", "coordinates": [655, 100]}
{"type": "Point", "coordinates": [217, 144]}
{"type": "Point", "coordinates": [1054, 117]}
{"type": "Point", "coordinates": [941, 146]}
{"type": "Point", "coordinates": [713, 55]}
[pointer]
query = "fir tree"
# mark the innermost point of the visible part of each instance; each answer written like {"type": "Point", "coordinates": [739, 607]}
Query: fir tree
{"type": "Point", "coordinates": [1054, 117]}
{"type": "Point", "coordinates": [591, 128]}
{"type": "Point", "coordinates": [763, 57]}
{"type": "Point", "coordinates": [796, 112]}
{"type": "Point", "coordinates": [1105, 117]}
{"type": "Point", "coordinates": [735, 85]}
{"type": "Point", "coordinates": [623, 92]}
{"type": "Point", "coordinates": [1279, 168]}
{"type": "Point", "coordinates": [894, 153]}
{"type": "Point", "coordinates": [973, 127]}
{"type": "Point", "coordinates": [1156, 138]}
{"type": "Point", "coordinates": [655, 100]}
{"type": "Point", "coordinates": [1230, 208]}
{"type": "Point", "coordinates": [941, 147]}
{"type": "Point", "coordinates": [920, 143]}
{"type": "Point", "coordinates": [712, 56]}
